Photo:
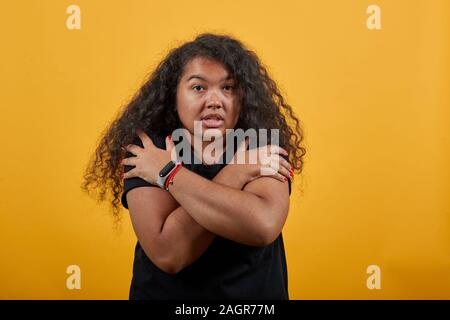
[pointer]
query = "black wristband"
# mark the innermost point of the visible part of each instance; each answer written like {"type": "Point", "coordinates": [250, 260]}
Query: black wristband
{"type": "Point", "coordinates": [167, 168]}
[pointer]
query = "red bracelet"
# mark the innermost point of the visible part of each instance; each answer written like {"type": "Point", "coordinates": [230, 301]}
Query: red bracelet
{"type": "Point", "coordinates": [169, 179]}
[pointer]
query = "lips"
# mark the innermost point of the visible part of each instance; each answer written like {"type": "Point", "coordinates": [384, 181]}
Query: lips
{"type": "Point", "coordinates": [216, 116]}
{"type": "Point", "coordinates": [212, 120]}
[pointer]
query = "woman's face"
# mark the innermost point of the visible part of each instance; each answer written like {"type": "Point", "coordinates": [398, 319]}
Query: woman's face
{"type": "Point", "coordinates": [206, 93]}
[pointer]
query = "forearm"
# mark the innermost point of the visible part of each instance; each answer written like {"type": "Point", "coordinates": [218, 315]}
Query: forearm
{"type": "Point", "coordinates": [231, 213]}
{"type": "Point", "coordinates": [190, 239]}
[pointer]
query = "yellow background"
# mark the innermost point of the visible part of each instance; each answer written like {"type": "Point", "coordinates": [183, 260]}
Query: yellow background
{"type": "Point", "coordinates": [374, 103]}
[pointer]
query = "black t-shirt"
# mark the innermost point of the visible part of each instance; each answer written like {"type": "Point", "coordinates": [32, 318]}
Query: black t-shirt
{"type": "Point", "coordinates": [226, 270]}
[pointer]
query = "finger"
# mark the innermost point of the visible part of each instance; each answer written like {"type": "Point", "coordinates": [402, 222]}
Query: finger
{"type": "Point", "coordinates": [280, 177]}
{"type": "Point", "coordinates": [267, 171]}
{"type": "Point", "coordinates": [132, 148]}
{"type": "Point", "coordinates": [277, 149]}
{"type": "Point", "coordinates": [284, 172]}
{"type": "Point", "coordinates": [146, 140]}
{"type": "Point", "coordinates": [170, 146]}
{"type": "Point", "coordinates": [131, 161]}
{"type": "Point", "coordinates": [130, 174]}
{"type": "Point", "coordinates": [169, 143]}
{"type": "Point", "coordinates": [285, 163]}
{"type": "Point", "coordinates": [272, 173]}
{"type": "Point", "coordinates": [281, 167]}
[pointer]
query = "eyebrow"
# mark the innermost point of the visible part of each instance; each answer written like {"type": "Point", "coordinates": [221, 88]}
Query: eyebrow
{"type": "Point", "coordinates": [197, 76]}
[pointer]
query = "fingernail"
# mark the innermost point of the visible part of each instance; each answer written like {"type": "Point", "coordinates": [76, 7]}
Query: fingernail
{"type": "Point", "coordinates": [120, 161]}
{"type": "Point", "coordinates": [170, 137]}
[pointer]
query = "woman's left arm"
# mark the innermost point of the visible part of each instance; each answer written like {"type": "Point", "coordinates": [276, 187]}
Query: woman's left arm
{"type": "Point", "coordinates": [252, 216]}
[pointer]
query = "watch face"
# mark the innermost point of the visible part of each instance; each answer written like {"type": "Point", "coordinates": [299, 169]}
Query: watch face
{"type": "Point", "coordinates": [164, 171]}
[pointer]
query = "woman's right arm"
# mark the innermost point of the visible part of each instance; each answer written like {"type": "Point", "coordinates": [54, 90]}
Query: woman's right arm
{"type": "Point", "coordinates": [169, 236]}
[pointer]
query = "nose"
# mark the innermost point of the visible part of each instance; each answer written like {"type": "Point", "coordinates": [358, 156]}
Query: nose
{"type": "Point", "coordinates": [213, 101]}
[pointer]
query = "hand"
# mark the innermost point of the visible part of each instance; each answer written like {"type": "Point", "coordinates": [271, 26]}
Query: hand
{"type": "Point", "coordinates": [262, 161]}
{"type": "Point", "coordinates": [149, 160]}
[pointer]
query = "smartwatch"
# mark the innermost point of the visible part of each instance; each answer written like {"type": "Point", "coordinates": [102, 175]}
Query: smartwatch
{"type": "Point", "coordinates": [165, 173]}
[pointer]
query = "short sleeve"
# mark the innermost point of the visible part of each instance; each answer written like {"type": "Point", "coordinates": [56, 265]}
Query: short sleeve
{"type": "Point", "coordinates": [135, 182]}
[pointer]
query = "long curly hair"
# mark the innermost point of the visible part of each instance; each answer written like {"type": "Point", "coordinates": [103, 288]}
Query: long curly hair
{"type": "Point", "coordinates": [154, 107]}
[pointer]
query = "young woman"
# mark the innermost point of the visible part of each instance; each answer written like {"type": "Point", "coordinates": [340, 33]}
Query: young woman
{"type": "Point", "coordinates": [210, 230]}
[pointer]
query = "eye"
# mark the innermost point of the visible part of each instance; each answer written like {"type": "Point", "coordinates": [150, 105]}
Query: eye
{"type": "Point", "coordinates": [230, 87]}
{"type": "Point", "coordinates": [197, 86]}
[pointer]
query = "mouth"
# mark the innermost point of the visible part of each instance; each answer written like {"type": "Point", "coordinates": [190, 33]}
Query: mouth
{"type": "Point", "coordinates": [212, 121]}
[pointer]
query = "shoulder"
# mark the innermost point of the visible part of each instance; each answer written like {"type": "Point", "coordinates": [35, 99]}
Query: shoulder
{"type": "Point", "coordinates": [157, 138]}
{"type": "Point", "coordinates": [135, 182]}
{"type": "Point", "coordinates": [270, 188]}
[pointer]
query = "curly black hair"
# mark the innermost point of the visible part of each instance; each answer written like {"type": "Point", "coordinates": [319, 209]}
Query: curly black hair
{"type": "Point", "coordinates": [154, 107]}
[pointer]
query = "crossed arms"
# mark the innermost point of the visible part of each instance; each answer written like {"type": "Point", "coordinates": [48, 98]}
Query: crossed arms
{"type": "Point", "coordinates": [175, 228]}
